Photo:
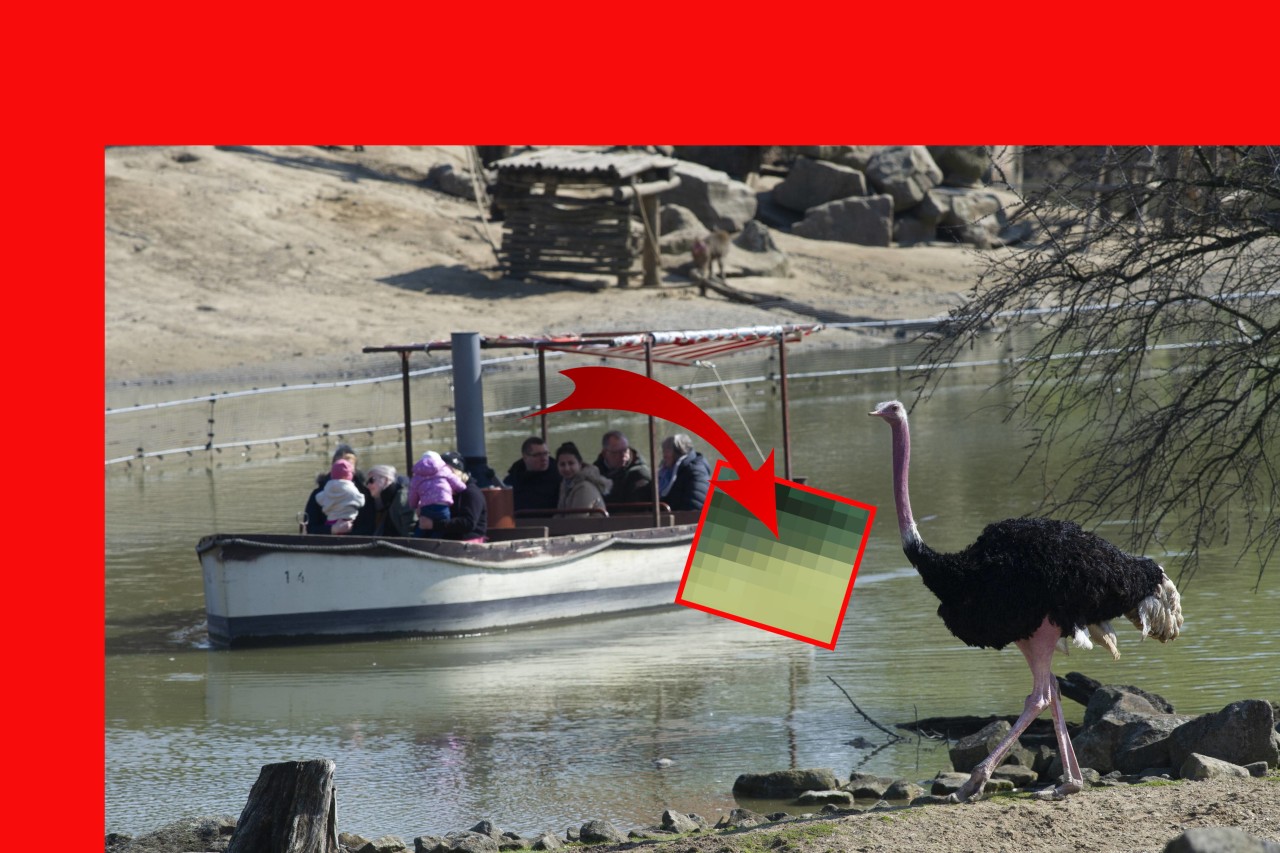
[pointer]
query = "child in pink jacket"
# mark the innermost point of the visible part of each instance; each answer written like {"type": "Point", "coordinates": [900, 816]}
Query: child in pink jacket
{"type": "Point", "coordinates": [431, 490]}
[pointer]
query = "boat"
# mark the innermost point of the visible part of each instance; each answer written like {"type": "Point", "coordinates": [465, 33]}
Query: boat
{"type": "Point", "coordinates": [273, 588]}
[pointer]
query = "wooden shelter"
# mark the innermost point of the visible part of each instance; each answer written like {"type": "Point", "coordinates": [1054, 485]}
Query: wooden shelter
{"type": "Point", "coordinates": [568, 211]}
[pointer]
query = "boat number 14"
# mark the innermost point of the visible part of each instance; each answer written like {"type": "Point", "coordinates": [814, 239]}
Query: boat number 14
{"type": "Point", "coordinates": [298, 577]}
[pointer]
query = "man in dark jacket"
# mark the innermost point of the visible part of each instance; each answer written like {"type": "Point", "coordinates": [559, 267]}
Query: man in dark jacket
{"type": "Point", "coordinates": [534, 480]}
{"type": "Point", "coordinates": [363, 524]}
{"type": "Point", "coordinates": [389, 494]}
{"type": "Point", "coordinates": [469, 518]}
{"type": "Point", "coordinates": [623, 465]}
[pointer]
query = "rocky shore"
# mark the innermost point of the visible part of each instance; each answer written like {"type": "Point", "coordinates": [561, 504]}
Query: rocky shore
{"type": "Point", "coordinates": [1216, 774]}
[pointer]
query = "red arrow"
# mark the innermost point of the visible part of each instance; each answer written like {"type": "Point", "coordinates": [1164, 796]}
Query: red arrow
{"type": "Point", "coordinates": [624, 391]}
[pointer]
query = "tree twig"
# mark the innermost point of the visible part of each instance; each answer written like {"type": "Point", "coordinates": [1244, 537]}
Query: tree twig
{"type": "Point", "coordinates": [894, 736]}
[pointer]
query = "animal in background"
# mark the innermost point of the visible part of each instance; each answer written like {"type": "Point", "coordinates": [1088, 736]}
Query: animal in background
{"type": "Point", "coordinates": [1033, 582]}
{"type": "Point", "coordinates": [710, 251]}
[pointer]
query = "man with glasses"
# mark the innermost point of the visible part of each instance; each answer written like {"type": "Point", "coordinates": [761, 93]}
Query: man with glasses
{"type": "Point", "coordinates": [625, 467]}
{"type": "Point", "coordinates": [533, 479]}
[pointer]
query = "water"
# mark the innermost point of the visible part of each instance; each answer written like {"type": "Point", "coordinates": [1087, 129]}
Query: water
{"type": "Point", "coordinates": [546, 728]}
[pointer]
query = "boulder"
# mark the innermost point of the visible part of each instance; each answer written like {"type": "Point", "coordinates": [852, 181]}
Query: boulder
{"type": "Point", "coordinates": [547, 841]}
{"type": "Point", "coordinates": [421, 844]}
{"type": "Point", "coordinates": [855, 156]}
{"type": "Point", "coordinates": [716, 199]}
{"type": "Point", "coordinates": [1145, 743]}
{"type": "Point", "coordinates": [600, 832]}
{"type": "Point", "coordinates": [980, 217]}
{"type": "Point", "coordinates": [866, 221]}
{"type": "Point", "coordinates": [866, 786]}
{"type": "Point", "coordinates": [759, 254]}
{"type": "Point", "coordinates": [384, 844]}
{"type": "Point", "coordinates": [949, 783]}
{"type": "Point", "coordinates": [486, 827]}
{"type": "Point", "coordinates": [1202, 767]}
{"type": "Point", "coordinates": [814, 182]}
{"type": "Point", "coordinates": [736, 160]}
{"type": "Point", "coordinates": [903, 789]}
{"type": "Point", "coordinates": [784, 784]}
{"type": "Point", "coordinates": [682, 823]}
{"type": "Point", "coordinates": [818, 798]}
{"type": "Point", "coordinates": [1128, 701]}
{"type": "Point", "coordinates": [773, 214]}
{"type": "Point", "coordinates": [1219, 839]}
{"type": "Point", "coordinates": [466, 842]}
{"type": "Point", "coordinates": [904, 173]}
{"type": "Point", "coordinates": [673, 217]}
{"type": "Point", "coordinates": [961, 165]}
{"type": "Point", "coordinates": [512, 841]}
{"type": "Point", "coordinates": [741, 819]}
{"type": "Point", "coordinates": [451, 181]}
{"type": "Point", "coordinates": [1242, 732]}
{"type": "Point", "coordinates": [1020, 776]}
{"type": "Point", "coordinates": [969, 751]}
{"type": "Point", "coordinates": [910, 231]}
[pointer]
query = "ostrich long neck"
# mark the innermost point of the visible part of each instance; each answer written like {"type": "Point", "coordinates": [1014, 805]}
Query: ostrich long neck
{"type": "Point", "coordinates": [901, 462]}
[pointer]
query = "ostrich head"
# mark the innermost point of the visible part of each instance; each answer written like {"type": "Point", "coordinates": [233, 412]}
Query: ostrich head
{"type": "Point", "coordinates": [892, 411]}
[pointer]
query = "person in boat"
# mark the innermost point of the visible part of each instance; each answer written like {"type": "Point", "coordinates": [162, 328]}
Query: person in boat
{"type": "Point", "coordinates": [340, 499]}
{"type": "Point", "coordinates": [389, 494]}
{"type": "Point", "coordinates": [581, 486]}
{"type": "Point", "coordinates": [469, 519]}
{"type": "Point", "coordinates": [684, 476]}
{"type": "Point", "coordinates": [534, 481]}
{"type": "Point", "coordinates": [624, 467]}
{"type": "Point", "coordinates": [431, 491]}
{"type": "Point", "coordinates": [315, 519]}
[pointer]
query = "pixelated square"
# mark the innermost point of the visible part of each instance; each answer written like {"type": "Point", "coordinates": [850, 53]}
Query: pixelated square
{"type": "Point", "coordinates": [798, 584]}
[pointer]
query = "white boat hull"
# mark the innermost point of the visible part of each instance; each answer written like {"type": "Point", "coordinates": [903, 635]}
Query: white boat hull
{"type": "Point", "coordinates": [275, 588]}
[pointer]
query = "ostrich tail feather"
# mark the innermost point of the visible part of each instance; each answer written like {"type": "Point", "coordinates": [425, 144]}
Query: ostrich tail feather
{"type": "Point", "coordinates": [1159, 615]}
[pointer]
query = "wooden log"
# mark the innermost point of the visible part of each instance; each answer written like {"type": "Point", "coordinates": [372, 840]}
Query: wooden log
{"type": "Point", "coordinates": [626, 193]}
{"type": "Point", "coordinates": [291, 809]}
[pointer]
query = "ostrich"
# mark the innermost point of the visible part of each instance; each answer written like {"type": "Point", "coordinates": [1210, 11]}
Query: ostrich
{"type": "Point", "coordinates": [1033, 582]}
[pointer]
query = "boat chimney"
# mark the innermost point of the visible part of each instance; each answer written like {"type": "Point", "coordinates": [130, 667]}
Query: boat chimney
{"type": "Point", "coordinates": [468, 406]}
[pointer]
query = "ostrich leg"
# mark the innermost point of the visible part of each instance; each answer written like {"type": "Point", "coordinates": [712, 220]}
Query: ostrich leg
{"type": "Point", "coordinates": [1074, 780]}
{"type": "Point", "coordinates": [1038, 650]}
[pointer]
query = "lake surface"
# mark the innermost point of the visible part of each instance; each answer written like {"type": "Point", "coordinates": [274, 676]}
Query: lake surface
{"type": "Point", "coordinates": [547, 728]}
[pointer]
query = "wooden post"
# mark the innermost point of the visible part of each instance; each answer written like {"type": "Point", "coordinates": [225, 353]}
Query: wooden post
{"type": "Point", "coordinates": [786, 409]}
{"type": "Point", "coordinates": [649, 207]}
{"type": "Point", "coordinates": [654, 461]}
{"type": "Point", "coordinates": [408, 419]}
{"type": "Point", "coordinates": [291, 809]}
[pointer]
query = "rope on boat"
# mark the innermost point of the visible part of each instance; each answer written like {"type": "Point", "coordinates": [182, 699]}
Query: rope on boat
{"type": "Point", "coordinates": [741, 419]}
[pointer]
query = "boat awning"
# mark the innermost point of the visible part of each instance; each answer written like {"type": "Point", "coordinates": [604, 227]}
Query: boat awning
{"type": "Point", "coordinates": [685, 348]}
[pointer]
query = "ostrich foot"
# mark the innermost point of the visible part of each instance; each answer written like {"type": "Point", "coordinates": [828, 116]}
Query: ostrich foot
{"type": "Point", "coordinates": [1061, 792]}
{"type": "Point", "coordinates": [970, 791]}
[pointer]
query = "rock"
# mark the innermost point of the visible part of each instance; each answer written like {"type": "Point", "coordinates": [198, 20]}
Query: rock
{"type": "Point", "coordinates": [547, 841]}
{"type": "Point", "coordinates": [682, 823]}
{"type": "Point", "coordinates": [905, 173]}
{"type": "Point", "coordinates": [1242, 733]}
{"type": "Point", "coordinates": [486, 827]}
{"type": "Point", "coordinates": [421, 844]}
{"type": "Point", "coordinates": [716, 199]}
{"type": "Point", "coordinates": [1019, 776]}
{"type": "Point", "coordinates": [903, 789]}
{"type": "Point", "coordinates": [948, 783]}
{"type": "Point", "coordinates": [1257, 769]}
{"type": "Point", "coordinates": [760, 255]}
{"type": "Point", "coordinates": [384, 844]}
{"type": "Point", "coordinates": [455, 182]}
{"type": "Point", "coordinates": [930, 800]}
{"type": "Point", "coordinates": [773, 214]}
{"type": "Point", "coordinates": [673, 217]}
{"type": "Point", "coordinates": [467, 842]}
{"type": "Point", "coordinates": [1145, 743]}
{"type": "Point", "coordinates": [865, 786]}
{"type": "Point", "coordinates": [855, 156]}
{"type": "Point", "coordinates": [908, 230]}
{"type": "Point", "coordinates": [740, 819]}
{"type": "Point", "coordinates": [961, 165]}
{"type": "Point", "coordinates": [512, 841]}
{"type": "Point", "coordinates": [1202, 767]}
{"type": "Point", "coordinates": [865, 221]}
{"type": "Point", "coordinates": [736, 160]}
{"type": "Point", "coordinates": [1219, 839]}
{"type": "Point", "coordinates": [784, 784]}
{"type": "Point", "coordinates": [814, 182]}
{"type": "Point", "coordinates": [600, 832]}
{"type": "Point", "coordinates": [968, 215]}
{"type": "Point", "coordinates": [813, 798]}
{"type": "Point", "coordinates": [205, 833]}
{"type": "Point", "coordinates": [1126, 700]}
{"type": "Point", "coordinates": [969, 751]}
{"type": "Point", "coordinates": [1042, 758]}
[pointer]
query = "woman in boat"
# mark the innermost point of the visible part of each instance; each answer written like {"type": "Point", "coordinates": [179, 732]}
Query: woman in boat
{"type": "Point", "coordinates": [581, 486]}
{"type": "Point", "coordinates": [389, 495]}
{"type": "Point", "coordinates": [685, 475]}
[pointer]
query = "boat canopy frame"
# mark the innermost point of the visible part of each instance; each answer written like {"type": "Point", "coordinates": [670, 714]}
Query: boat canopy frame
{"type": "Point", "coordinates": [684, 348]}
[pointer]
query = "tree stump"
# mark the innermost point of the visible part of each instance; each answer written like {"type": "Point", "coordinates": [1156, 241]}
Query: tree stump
{"type": "Point", "coordinates": [291, 809]}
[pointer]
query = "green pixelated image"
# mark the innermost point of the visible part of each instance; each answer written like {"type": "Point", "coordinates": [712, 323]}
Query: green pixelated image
{"type": "Point", "coordinates": [797, 584]}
